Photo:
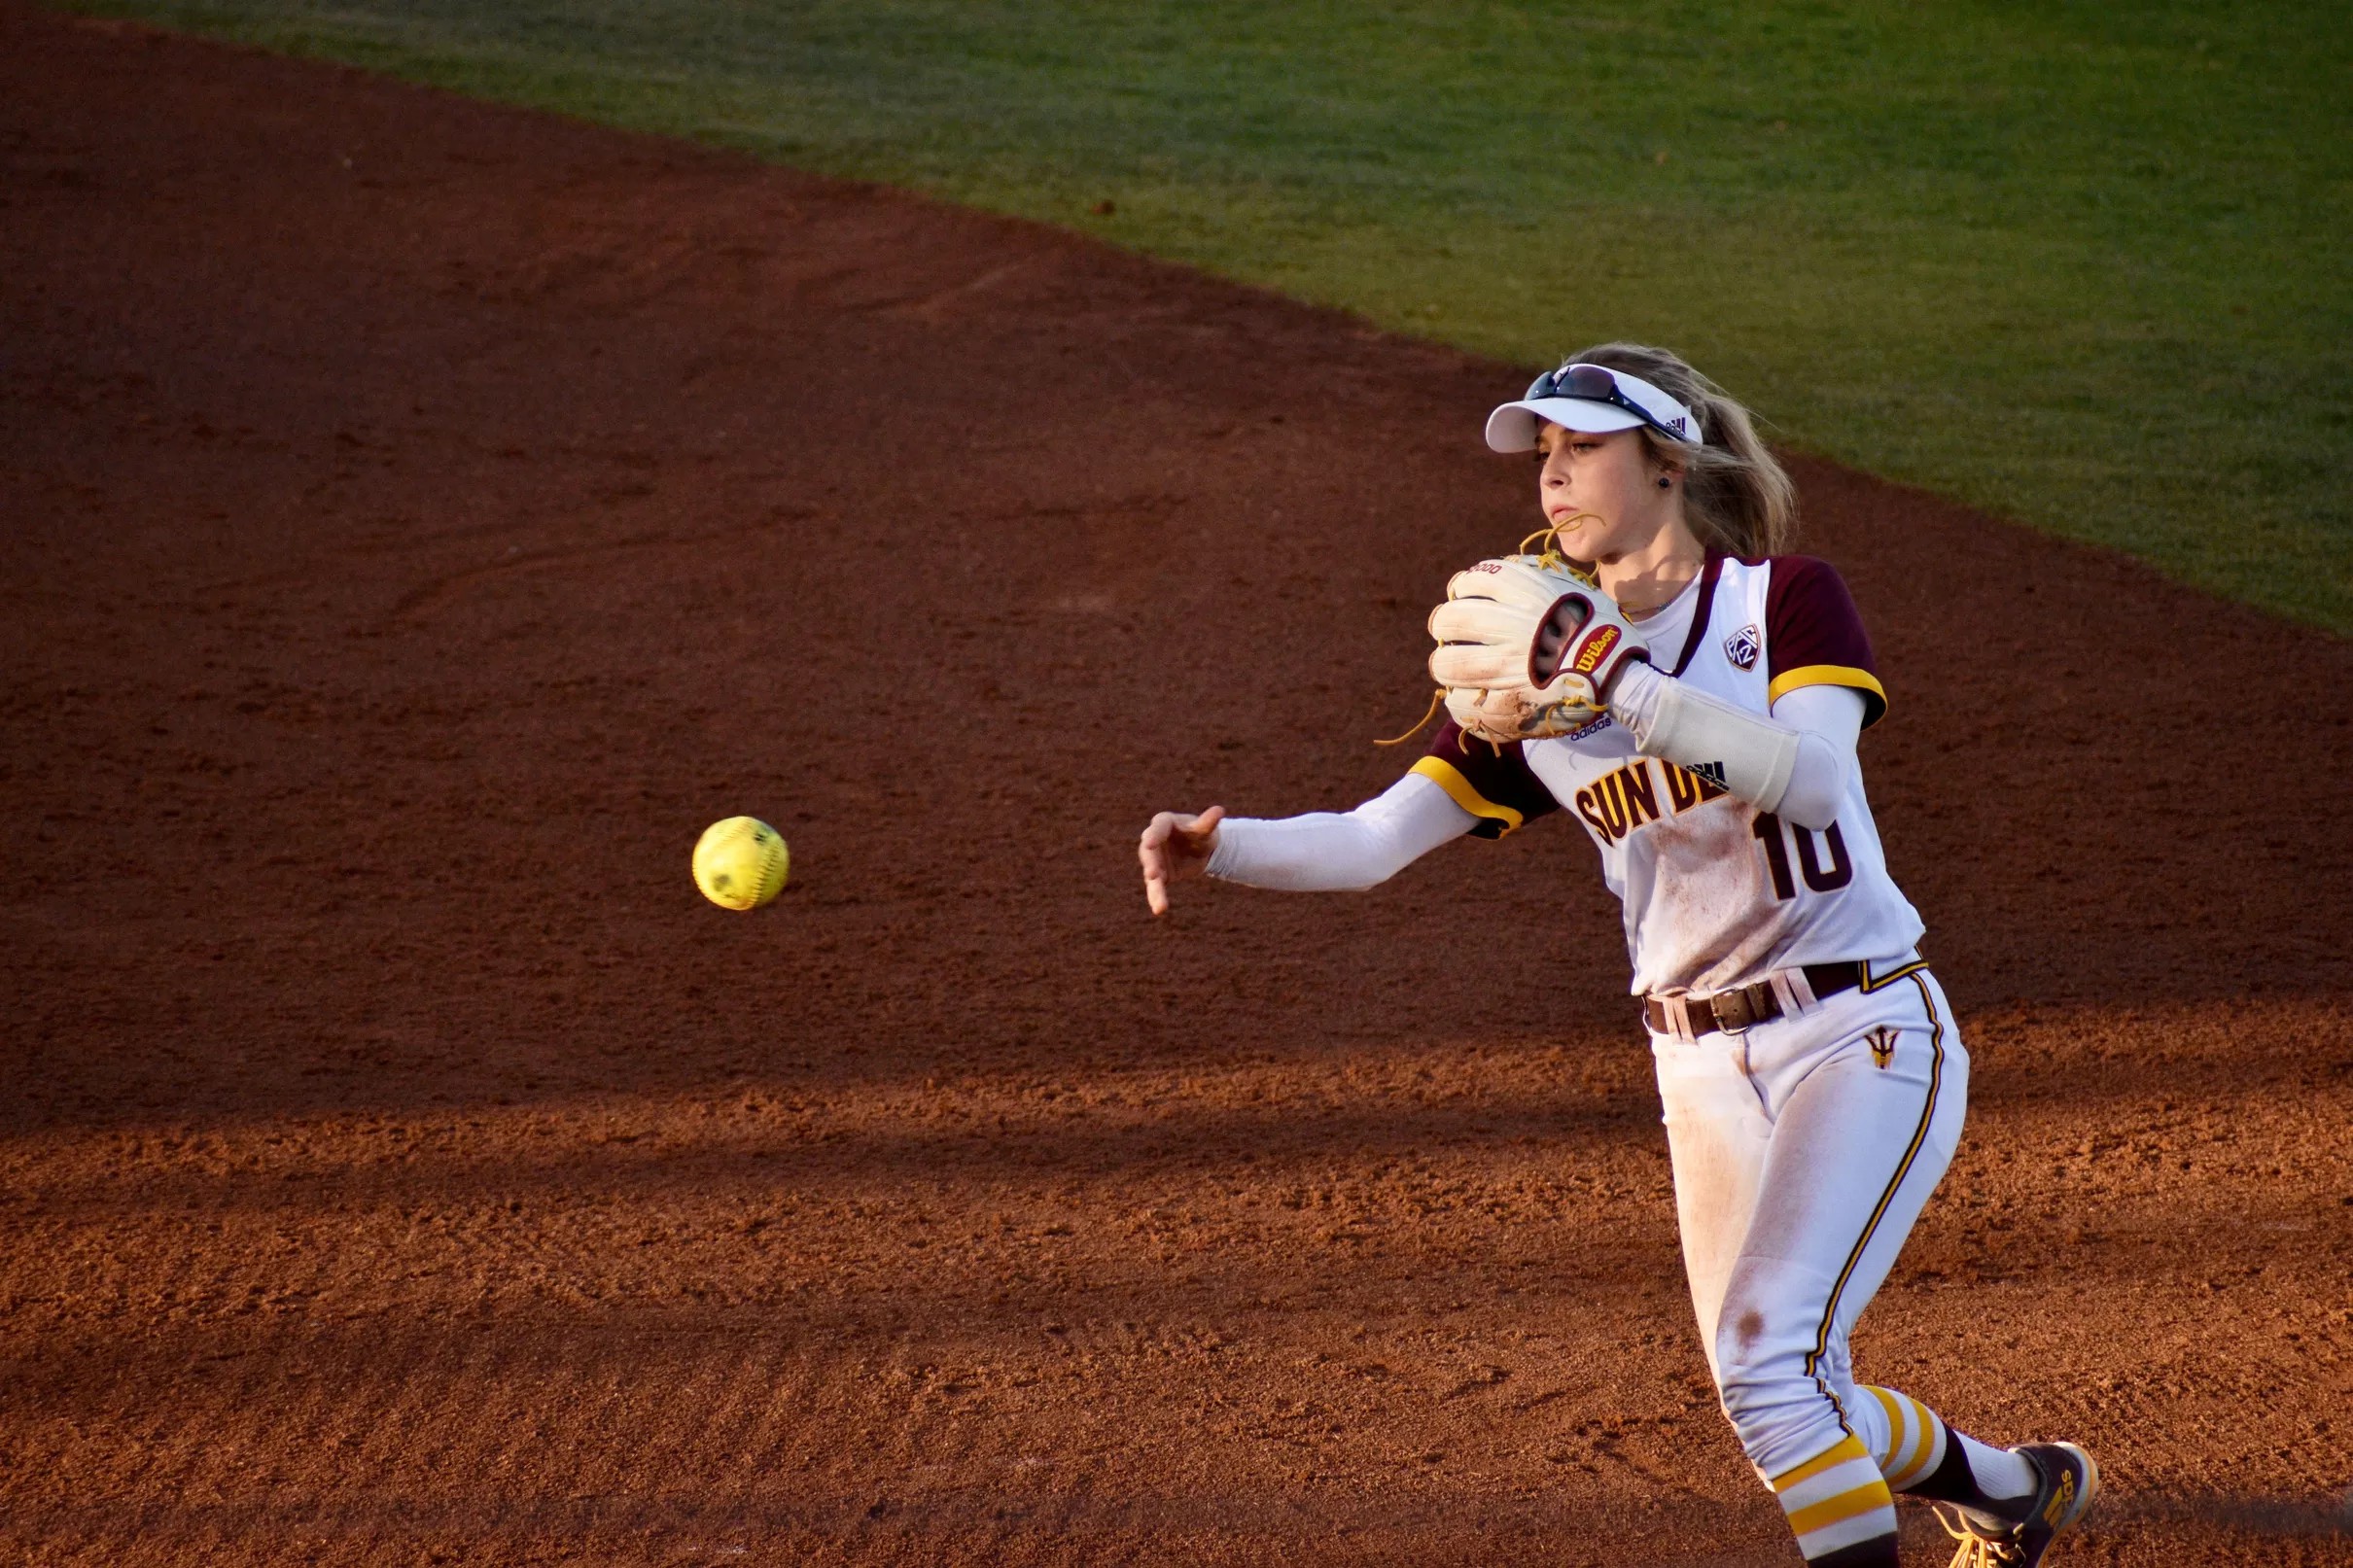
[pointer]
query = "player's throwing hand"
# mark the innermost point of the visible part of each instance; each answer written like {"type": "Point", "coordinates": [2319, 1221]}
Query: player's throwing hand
{"type": "Point", "coordinates": [1175, 845]}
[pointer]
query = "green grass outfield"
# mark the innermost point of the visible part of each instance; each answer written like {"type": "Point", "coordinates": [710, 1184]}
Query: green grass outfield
{"type": "Point", "coordinates": [2083, 264]}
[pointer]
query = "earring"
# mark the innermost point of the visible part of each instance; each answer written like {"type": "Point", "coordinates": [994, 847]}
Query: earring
{"type": "Point", "coordinates": [1665, 483]}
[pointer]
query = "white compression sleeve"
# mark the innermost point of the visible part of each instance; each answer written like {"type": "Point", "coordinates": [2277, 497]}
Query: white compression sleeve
{"type": "Point", "coordinates": [1829, 721]}
{"type": "Point", "coordinates": [1325, 851]}
{"type": "Point", "coordinates": [1794, 763]}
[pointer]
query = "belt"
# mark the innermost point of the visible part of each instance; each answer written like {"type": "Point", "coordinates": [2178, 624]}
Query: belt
{"type": "Point", "coordinates": [1743, 1005]}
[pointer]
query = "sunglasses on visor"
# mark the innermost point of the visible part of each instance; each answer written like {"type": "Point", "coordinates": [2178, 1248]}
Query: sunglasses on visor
{"type": "Point", "coordinates": [1593, 384]}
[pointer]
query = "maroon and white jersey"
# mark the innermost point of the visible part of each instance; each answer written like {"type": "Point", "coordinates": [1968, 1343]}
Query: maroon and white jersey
{"type": "Point", "coordinates": [1718, 894]}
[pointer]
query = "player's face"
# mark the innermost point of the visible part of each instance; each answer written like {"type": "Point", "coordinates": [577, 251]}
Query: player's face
{"type": "Point", "coordinates": [1599, 492]}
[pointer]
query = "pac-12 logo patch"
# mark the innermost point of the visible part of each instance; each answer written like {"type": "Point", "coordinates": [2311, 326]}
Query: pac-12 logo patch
{"type": "Point", "coordinates": [1882, 1042]}
{"type": "Point", "coordinates": [1742, 647]}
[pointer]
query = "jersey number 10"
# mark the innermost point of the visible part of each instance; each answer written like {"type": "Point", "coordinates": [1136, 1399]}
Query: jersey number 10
{"type": "Point", "coordinates": [1820, 877]}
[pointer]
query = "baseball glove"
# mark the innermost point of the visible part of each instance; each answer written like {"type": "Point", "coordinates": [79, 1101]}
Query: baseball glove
{"type": "Point", "coordinates": [1527, 648]}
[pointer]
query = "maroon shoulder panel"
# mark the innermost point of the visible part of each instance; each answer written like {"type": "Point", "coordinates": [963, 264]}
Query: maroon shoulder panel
{"type": "Point", "coordinates": [1500, 775]}
{"type": "Point", "coordinates": [1811, 620]}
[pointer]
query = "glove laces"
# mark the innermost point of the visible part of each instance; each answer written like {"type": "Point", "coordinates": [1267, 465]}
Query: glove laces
{"type": "Point", "coordinates": [1436, 698]}
{"type": "Point", "coordinates": [1551, 560]}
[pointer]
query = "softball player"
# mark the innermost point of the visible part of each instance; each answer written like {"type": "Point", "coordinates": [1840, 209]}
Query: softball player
{"type": "Point", "coordinates": [1812, 1076]}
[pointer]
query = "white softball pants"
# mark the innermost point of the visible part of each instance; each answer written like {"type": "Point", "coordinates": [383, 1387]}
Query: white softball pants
{"type": "Point", "coordinates": [1804, 1149]}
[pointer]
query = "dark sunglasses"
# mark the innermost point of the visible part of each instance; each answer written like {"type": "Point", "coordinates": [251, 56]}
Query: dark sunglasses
{"type": "Point", "coordinates": [1593, 384]}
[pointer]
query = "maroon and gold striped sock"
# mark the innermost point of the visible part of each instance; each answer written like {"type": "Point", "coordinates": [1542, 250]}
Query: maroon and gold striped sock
{"type": "Point", "coordinates": [1926, 1458]}
{"type": "Point", "coordinates": [1839, 1508]}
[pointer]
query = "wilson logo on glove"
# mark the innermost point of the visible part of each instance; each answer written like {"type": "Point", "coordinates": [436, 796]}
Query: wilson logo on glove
{"type": "Point", "coordinates": [1597, 648]}
{"type": "Point", "coordinates": [1507, 630]}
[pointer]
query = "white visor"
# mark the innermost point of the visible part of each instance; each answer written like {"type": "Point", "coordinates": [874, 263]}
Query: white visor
{"type": "Point", "coordinates": [1513, 427]}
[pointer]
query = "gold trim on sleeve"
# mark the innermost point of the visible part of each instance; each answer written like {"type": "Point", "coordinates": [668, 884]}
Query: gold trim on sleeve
{"type": "Point", "coordinates": [1824, 675]}
{"type": "Point", "coordinates": [1447, 777]}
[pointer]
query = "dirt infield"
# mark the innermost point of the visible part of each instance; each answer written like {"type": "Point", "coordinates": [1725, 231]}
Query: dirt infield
{"type": "Point", "coordinates": [422, 517]}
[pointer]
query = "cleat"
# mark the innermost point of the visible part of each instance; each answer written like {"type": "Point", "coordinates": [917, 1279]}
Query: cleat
{"type": "Point", "coordinates": [2070, 1480]}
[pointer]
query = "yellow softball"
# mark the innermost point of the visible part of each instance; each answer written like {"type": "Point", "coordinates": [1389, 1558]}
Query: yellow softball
{"type": "Point", "coordinates": [741, 863]}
